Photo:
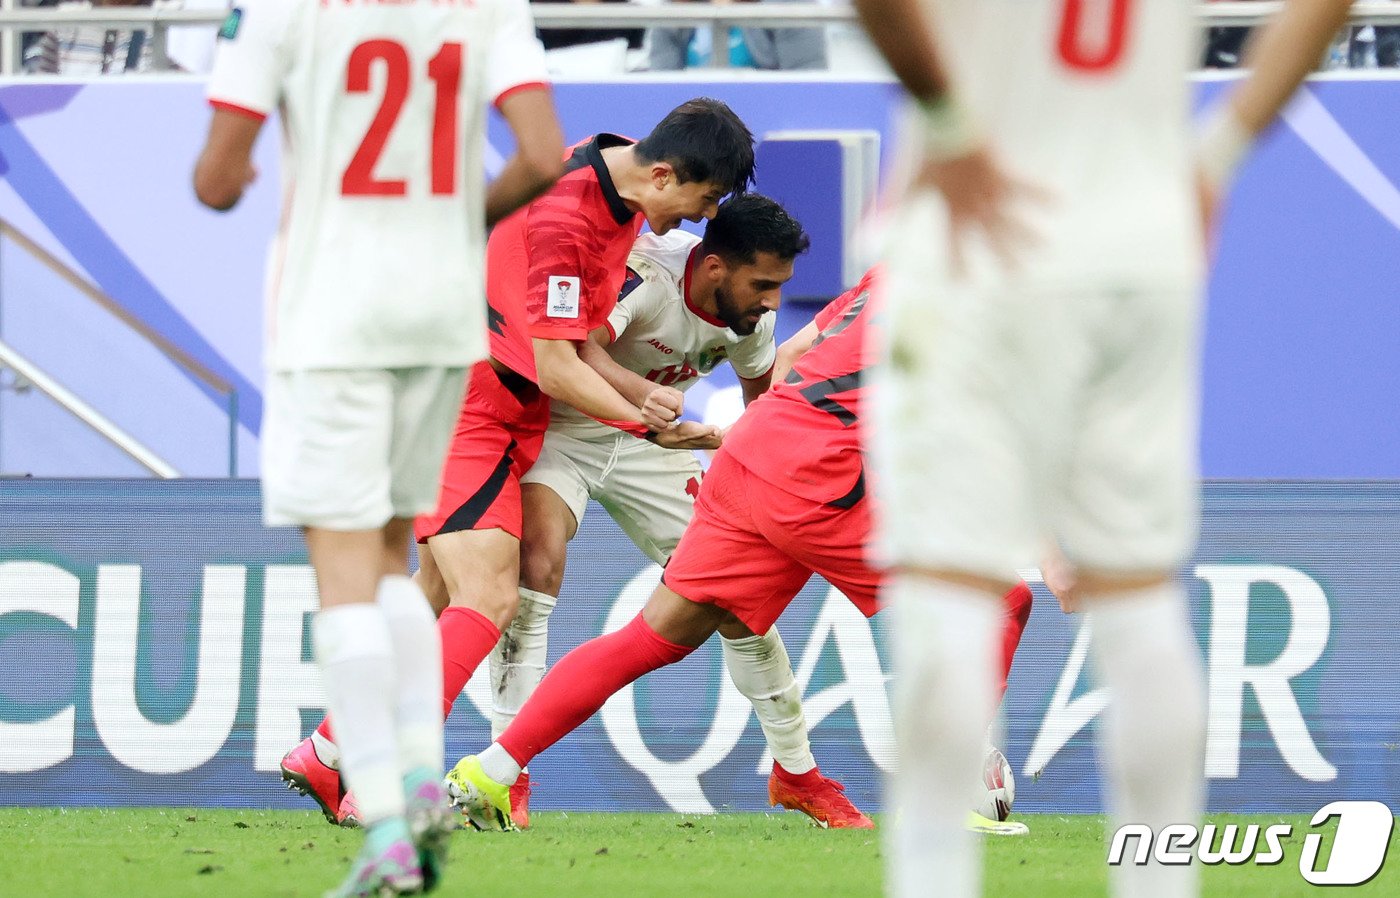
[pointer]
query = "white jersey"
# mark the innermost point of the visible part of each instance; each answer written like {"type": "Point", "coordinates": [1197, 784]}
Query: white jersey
{"type": "Point", "coordinates": [660, 335]}
{"type": "Point", "coordinates": [1089, 98]}
{"type": "Point", "coordinates": [378, 260]}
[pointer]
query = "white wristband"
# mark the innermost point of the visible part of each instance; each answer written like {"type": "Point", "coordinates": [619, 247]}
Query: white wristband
{"type": "Point", "coordinates": [947, 129]}
{"type": "Point", "coordinates": [1222, 141]}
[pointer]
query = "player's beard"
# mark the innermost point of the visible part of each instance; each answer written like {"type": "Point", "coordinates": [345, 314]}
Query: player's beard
{"type": "Point", "coordinates": [736, 319]}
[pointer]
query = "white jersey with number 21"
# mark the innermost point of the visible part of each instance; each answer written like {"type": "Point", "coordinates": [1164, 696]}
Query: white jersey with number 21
{"type": "Point", "coordinates": [378, 261]}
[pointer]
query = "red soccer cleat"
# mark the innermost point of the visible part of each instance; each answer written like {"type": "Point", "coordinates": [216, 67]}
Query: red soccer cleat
{"type": "Point", "coordinates": [816, 796]}
{"type": "Point", "coordinates": [305, 772]}
{"type": "Point", "coordinates": [520, 801]}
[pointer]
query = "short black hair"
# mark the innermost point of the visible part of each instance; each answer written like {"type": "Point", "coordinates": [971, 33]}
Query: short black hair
{"type": "Point", "coordinates": [749, 224]}
{"type": "Point", "coordinates": [703, 140]}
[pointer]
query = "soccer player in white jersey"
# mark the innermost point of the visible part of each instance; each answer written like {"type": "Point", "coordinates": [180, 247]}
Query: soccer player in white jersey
{"type": "Point", "coordinates": [375, 310]}
{"type": "Point", "coordinates": [1042, 348]}
{"type": "Point", "coordinates": [686, 306]}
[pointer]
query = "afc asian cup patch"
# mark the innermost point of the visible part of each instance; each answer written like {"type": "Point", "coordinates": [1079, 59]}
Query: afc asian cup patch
{"type": "Point", "coordinates": [229, 30]}
{"type": "Point", "coordinates": [562, 299]}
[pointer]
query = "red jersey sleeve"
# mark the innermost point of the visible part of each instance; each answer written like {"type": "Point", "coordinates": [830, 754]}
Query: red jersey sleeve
{"type": "Point", "coordinates": [556, 285]}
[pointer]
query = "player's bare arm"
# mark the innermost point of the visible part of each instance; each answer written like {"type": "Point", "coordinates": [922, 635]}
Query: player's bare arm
{"type": "Point", "coordinates": [538, 160]}
{"type": "Point", "coordinates": [225, 166]}
{"type": "Point", "coordinates": [793, 349]}
{"type": "Point", "coordinates": [660, 406]}
{"type": "Point", "coordinates": [956, 160]}
{"type": "Point", "coordinates": [1280, 57]}
{"type": "Point", "coordinates": [754, 387]}
{"type": "Point", "coordinates": [563, 375]}
{"type": "Point", "coordinates": [688, 435]}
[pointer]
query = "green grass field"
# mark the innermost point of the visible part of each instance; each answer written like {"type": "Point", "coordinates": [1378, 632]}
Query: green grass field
{"type": "Point", "coordinates": [200, 852]}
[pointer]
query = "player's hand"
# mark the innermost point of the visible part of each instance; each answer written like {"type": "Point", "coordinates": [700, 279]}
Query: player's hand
{"type": "Point", "coordinates": [984, 200]}
{"type": "Point", "coordinates": [661, 408]}
{"type": "Point", "coordinates": [689, 435]}
{"type": "Point", "coordinates": [1060, 578]}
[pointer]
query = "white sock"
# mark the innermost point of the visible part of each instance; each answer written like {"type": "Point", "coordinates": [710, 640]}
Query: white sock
{"type": "Point", "coordinates": [1154, 730]}
{"type": "Point", "coordinates": [945, 647]}
{"type": "Point", "coordinates": [326, 750]}
{"type": "Point", "coordinates": [497, 763]}
{"type": "Point", "coordinates": [518, 660]}
{"type": "Point", "coordinates": [356, 658]}
{"type": "Point", "coordinates": [760, 668]}
{"type": "Point", "coordinates": [418, 669]}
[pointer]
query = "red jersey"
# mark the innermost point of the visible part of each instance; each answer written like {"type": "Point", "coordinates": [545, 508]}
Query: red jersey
{"type": "Point", "coordinates": [803, 435]}
{"type": "Point", "coordinates": [554, 268]}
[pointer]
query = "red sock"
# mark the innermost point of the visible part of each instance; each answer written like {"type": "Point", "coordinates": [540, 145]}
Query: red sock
{"type": "Point", "coordinates": [325, 730]}
{"type": "Point", "coordinates": [576, 687]}
{"type": "Point", "coordinates": [467, 638]}
{"type": "Point", "coordinates": [1018, 611]}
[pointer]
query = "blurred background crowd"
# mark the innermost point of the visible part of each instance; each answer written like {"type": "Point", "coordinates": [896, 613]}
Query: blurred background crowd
{"type": "Point", "coordinates": [84, 50]}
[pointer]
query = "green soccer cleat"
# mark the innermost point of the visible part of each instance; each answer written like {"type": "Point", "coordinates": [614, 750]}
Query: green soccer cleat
{"type": "Point", "coordinates": [387, 864]}
{"type": "Point", "coordinates": [483, 801]}
{"type": "Point", "coordinates": [989, 827]}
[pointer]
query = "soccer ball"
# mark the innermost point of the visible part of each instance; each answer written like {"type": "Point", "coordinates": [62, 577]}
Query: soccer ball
{"type": "Point", "coordinates": [1000, 786]}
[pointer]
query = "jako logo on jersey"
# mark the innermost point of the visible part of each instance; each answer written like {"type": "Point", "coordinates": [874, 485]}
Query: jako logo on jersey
{"type": "Point", "coordinates": [1358, 851]}
{"type": "Point", "coordinates": [562, 300]}
{"type": "Point", "coordinates": [661, 346]}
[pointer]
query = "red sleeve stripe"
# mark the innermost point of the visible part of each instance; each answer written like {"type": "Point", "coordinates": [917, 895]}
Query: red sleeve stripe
{"type": "Point", "coordinates": [612, 334]}
{"type": "Point", "coordinates": [237, 109]}
{"type": "Point", "coordinates": [512, 91]}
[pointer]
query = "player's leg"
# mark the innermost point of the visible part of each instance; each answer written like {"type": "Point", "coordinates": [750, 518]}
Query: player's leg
{"type": "Point", "coordinates": [426, 406]}
{"type": "Point", "coordinates": [473, 536]}
{"type": "Point", "coordinates": [480, 571]}
{"type": "Point", "coordinates": [327, 466]}
{"type": "Point", "coordinates": [668, 629]}
{"type": "Point", "coordinates": [554, 495]}
{"type": "Point", "coordinates": [1016, 613]}
{"type": "Point", "coordinates": [650, 492]}
{"type": "Point", "coordinates": [754, 583]}
{"type": "Point", "coordinates": [955, 467]}
{"type": "Point", "coordinates": [518, 660]}
{"type": "Point", "coordinates": [1129, 523]}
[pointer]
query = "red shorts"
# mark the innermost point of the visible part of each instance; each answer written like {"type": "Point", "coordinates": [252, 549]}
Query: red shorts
{"type": "Point", "coordinates": [499, 436]}
{"type": "Point", "coordinates": [751, 547]}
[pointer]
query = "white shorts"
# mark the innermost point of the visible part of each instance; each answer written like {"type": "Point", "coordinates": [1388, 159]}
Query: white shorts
{"type": "Point", "coordinates": [351, 449]}
{"type": "Point", "coordinates": [1008, 418]}
{"type": "Point", "coordinates": [648, 490]}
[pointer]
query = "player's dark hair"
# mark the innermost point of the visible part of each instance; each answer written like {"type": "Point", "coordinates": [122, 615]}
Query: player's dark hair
{"type": "Point", "coordinates": [703, 140]}
{"type": "Point", "coordinates": [749, 224]}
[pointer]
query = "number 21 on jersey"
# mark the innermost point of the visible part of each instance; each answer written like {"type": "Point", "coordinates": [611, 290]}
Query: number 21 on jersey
{"type": "Point", "coordinates": [1093, 33]}
{"type": "Point", "coordinates": [445, 70]}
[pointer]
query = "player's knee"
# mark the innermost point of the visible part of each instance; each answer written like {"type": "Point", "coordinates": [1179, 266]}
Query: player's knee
{"type": "Point", "coordinates": [542, 557]}
{"type": "Point", "coordinates": [497, 602]}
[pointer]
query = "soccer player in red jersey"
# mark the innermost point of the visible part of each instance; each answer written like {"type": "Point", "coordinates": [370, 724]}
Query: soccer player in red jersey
{"type": "Point", "coordinates": [553, 273]}
{"type": "Point", "coordinates": [784, 498]}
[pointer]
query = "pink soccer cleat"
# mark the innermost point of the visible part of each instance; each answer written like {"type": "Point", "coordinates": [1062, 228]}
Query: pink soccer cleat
{"type": "Point", "coordinates": [304, 771]}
